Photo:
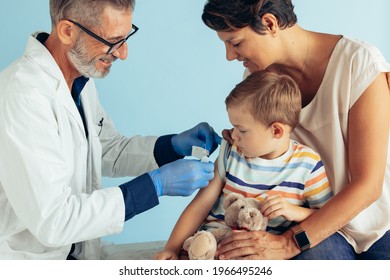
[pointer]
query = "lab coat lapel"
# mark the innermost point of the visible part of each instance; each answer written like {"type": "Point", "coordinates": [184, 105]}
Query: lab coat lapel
{"type": "Point", "coordinates": [94, 145]}
{"type": "Point", "coordinates": [92, 248]}
{"type": "Point", "coordinates": [70, 106]}
{"type": "Point", "coordinates": [40, 54]}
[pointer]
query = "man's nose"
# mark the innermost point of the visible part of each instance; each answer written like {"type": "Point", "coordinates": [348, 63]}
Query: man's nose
{"type": "Point", "coordinates": [122, 52]}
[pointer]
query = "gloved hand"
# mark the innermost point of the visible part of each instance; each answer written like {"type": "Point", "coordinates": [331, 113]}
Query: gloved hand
{"type": "Point", "coordinates": [202, 135]}
{"type": "Point", "coordinates": [182, 177]}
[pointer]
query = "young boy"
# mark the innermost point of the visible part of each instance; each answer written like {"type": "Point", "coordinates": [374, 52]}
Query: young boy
{"type": "Point", "coordinates": [287, 177]}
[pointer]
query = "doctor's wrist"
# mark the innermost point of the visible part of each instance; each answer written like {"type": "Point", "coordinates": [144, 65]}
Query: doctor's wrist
{"type": "Point", "coordinates": [163, 150]}
{"type": "Point", "coordinates": [155, 177]}
{"type": "Point", "coordinates": [139, 195]}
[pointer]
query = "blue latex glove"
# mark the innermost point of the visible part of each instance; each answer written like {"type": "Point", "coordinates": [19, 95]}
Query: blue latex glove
{"type": "Point", "coordinates": [202, 135]}
{"type": "Point", "coordinates": [182, 177]}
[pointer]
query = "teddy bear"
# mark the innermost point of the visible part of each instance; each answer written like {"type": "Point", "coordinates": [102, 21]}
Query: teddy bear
{"type": "Point", "coordinates": [240, 213]}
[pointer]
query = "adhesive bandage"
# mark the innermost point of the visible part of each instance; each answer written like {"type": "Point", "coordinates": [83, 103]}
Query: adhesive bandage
{"type": "Point", "coordinates": [200, 153]}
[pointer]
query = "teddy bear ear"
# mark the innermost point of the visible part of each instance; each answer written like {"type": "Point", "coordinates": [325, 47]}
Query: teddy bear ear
{"type": "Point", "coordinates": [231, 198]}
{"type": "Point", "coordinates": [187, 243]}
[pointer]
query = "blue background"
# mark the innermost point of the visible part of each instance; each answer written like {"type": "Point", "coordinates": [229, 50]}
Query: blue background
{"type": "Point", "coordinates": [176, 74]}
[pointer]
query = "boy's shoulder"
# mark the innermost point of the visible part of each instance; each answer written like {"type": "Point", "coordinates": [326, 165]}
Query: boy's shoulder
{"type": "Point", "coordinates": [224, 148]}
{"type": "Point", "coordinates": [304, 151]}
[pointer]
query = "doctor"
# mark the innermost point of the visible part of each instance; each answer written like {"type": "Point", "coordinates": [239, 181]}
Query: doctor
{"type": "Point", "coordinates": [56, 141]}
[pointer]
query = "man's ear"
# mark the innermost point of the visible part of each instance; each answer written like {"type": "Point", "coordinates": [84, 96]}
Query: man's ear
{"type": "Point", "coordinates": [271, 22]}
{"type": "Point", "coordinates": [278, 130]}
{"type": "Point", "coordinates": [67, 32]}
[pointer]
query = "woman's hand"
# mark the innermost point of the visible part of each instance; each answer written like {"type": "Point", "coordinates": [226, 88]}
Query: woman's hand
{"type": "Point", "coordinates": [257, 245]}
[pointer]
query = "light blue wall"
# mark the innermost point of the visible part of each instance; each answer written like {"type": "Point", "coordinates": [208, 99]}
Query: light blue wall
{"type": "Point", "coordinates": [176, 74]}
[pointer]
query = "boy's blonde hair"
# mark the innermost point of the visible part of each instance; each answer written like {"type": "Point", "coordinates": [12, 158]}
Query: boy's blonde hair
{"type": "Point", "coordinates": [269, 97]}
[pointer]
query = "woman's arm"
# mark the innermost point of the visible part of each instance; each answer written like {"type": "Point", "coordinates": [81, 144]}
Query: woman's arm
{"type": "Point", "coordinates": [369, 120]}
{"type": "Point", "coordinates": [194, 215]}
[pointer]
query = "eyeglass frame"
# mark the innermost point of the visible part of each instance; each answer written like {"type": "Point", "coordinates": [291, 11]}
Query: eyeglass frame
{"type": "Point", "coordinates": [100, 39]}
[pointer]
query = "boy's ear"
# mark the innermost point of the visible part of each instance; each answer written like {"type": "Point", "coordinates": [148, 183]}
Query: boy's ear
{"type": "Point", "coordinates": [278, 130]}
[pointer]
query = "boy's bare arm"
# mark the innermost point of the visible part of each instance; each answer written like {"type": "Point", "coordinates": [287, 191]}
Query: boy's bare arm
{"type": "Point", "coordinates": [195, 213]}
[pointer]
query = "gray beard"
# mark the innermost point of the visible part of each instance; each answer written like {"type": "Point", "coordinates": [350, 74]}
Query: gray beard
{"type": "Point", "coordinates": [78, 55]}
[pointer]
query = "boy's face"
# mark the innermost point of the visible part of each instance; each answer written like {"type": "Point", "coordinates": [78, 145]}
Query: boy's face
{"type": "Point", "coordinates": [252, 138]}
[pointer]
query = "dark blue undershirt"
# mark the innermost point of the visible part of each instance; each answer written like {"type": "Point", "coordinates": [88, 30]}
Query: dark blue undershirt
{"type": "Point", "coordinates": [77, 87]}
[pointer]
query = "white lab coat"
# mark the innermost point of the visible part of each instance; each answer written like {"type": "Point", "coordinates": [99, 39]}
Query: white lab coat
{"type": "Point", "coordinates": [50, 174]}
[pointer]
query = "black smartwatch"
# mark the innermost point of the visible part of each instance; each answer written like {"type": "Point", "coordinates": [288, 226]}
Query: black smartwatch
{"type": "Point", "coordinates": [301, 238]}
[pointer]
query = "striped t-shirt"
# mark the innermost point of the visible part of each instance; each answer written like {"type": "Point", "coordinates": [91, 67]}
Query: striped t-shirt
{"type": "Point", "coordinates": [298, 175]}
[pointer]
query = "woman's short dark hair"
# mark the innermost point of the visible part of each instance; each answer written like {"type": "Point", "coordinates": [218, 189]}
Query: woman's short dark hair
{"type": "Point", "coordinates": [228, 15]}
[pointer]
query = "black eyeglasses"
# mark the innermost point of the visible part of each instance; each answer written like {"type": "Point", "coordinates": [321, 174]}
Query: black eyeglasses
{"type": "Point", "coordinates": [113, 47]}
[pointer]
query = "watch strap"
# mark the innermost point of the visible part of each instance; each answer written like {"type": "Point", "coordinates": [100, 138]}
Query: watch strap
{"type": "Point", "coordinates": [300, 238]}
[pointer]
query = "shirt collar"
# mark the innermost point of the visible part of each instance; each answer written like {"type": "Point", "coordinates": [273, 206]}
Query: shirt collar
{"type": "Point", "coordinates": [78, 83]}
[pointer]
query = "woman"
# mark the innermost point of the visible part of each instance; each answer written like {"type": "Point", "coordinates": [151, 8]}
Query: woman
{"type": "Point", "coordinates": [345, 117]}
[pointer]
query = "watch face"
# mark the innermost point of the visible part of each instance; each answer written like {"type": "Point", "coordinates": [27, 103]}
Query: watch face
{"type": "Point", "coordinates": [302, 240]}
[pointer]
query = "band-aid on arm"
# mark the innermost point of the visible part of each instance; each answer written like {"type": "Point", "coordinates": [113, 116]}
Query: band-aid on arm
{"type": "Point", "coordinates": [200, 153]}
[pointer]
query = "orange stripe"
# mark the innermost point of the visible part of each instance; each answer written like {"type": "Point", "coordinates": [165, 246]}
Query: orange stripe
{"type": "Point", "coordinates": [285, 194]}
{"type": "Point", "coordinates": [302, 154]}
{"type": "Point", "coordinates": [317, 190]}
{"type": "Point", "coordinates": [269, 192]}
{"type": "Point", "coordinates": [288, 159]}
{"type": "Point", "coordinates": [306, 154]}
{"type": "Point", "coordinates": [315, 180]}
{"type": "Point", "coordinates": [232, 189]}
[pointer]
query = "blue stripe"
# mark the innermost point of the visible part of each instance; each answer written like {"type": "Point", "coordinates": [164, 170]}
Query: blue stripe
{"type": "Point", "coordinates": [318, 166]}
{"type": "Point", "coordinates": [322, 199]}
{"type": "Point", "coordinates": [238, 181]}
{"type": "Point", "coordinates": [242, 183]}
{"type": "Point", "coordinates": [217, 216]}
{"type": "Point", "coordinates": [293, 185]}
